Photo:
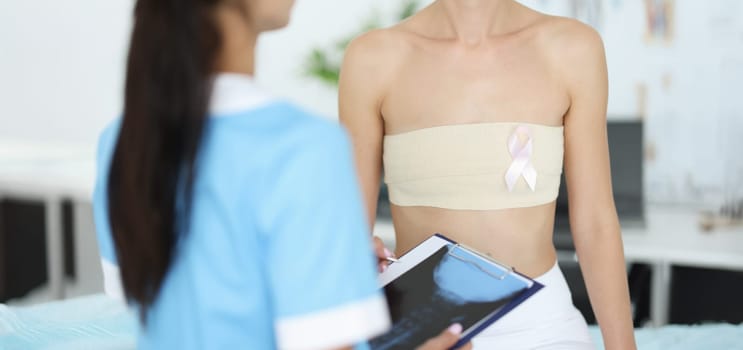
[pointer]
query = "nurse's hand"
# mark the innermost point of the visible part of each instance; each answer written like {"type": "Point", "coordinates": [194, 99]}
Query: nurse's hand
{"type": "Point", "coordinates": [446, 340]}
{"type": "Point", "coordinates": [382, 254]}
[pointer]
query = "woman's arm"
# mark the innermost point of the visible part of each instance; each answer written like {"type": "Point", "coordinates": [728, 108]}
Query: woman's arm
{"type": "Point", "coordinates": [593, 217]}
{"type": "Point", "coordinates": [360, 99]}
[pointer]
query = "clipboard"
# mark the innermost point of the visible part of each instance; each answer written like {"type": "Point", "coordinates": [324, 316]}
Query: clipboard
{"type": "Point", "coordinates": [440, 282]}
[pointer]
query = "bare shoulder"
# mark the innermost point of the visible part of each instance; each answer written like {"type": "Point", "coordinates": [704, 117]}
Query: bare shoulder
{"type": "Point", "coordinates": [377, 50]}
{"type": "Point", "coordinates": [371, 62]}
{"type": "Point", "coordinates": [569, 39]}
{"type": "Point", "coordinates": [571, 47]}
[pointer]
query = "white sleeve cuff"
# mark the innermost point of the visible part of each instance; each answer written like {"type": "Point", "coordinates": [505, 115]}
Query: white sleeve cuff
{"type": "Point", "coordinates": [112, 280]}
{"type": "Point", "coordinates": [340, 326]}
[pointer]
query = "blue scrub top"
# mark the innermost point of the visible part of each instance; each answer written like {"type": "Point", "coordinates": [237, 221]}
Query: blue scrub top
{"type": "Point", "coordinates": [278, 253]}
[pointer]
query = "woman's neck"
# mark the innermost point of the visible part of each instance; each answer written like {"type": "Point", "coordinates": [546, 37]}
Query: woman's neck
{"type": "Point", "coordinates": [473, 21]}
{"type": "Point", "coordinates": [238, 41]}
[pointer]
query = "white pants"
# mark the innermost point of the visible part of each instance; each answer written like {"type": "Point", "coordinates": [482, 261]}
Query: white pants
{"type": "Point", "coordinates": [548, 320]}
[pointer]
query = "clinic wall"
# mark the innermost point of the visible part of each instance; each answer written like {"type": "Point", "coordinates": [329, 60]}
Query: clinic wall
{"type": "Point", "coordinates": [61, 66]}
{"type": "Point", "coordinates": [684, 83]}
{"type": "Point", "coordinates": [62, 62]}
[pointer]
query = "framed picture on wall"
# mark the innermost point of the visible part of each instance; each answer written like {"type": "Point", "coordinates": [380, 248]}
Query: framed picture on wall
{"type": "Point", "coordinates": [659, 21]}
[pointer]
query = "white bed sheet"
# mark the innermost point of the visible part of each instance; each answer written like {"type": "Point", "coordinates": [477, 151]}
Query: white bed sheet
{"type": "Point", "coordinates": [101, 322]}
{"type": "Point", "coordinates": [93, 322]}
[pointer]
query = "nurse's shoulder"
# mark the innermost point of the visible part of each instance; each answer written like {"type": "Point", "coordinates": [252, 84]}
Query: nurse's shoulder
{"type": "Point", "coordinates": [279, 133]}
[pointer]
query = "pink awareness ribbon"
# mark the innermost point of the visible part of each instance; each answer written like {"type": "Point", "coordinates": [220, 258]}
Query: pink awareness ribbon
{"type": "Point", "coordinates": [521, 164]}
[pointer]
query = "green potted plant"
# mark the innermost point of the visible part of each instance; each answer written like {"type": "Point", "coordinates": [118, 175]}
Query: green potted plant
{"type": "Point", "coordinates": [324, 64]}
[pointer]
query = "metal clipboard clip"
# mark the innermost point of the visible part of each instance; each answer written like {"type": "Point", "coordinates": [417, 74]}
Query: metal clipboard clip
{"type": "Point", "coordinates": [500, 277]}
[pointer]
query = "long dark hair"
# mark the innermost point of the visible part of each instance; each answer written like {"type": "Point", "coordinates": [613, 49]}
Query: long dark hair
{"type": "Point", "coordinates": [171, 59]}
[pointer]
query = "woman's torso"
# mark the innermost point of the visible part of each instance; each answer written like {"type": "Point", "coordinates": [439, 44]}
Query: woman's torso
{"type": "Point", "coordinates": [507, 79]}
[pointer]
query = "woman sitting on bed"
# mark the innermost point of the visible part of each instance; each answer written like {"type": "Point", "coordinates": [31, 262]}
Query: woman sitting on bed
{"type": "Point", "coordinates": [233, 217]}
{"type": "Point", "coordinates": [470, 108]}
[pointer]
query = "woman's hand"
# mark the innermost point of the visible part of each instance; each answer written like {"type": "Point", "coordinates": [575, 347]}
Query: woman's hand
{"type": "Point", "coordinates": [382, 254]}
{"type": "Point", "coordinates": [446, 340]}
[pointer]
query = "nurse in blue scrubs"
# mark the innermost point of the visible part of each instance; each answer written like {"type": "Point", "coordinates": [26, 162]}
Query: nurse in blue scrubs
{"type": "Point", "coordinates": [230, 217]}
